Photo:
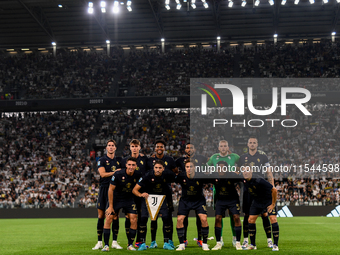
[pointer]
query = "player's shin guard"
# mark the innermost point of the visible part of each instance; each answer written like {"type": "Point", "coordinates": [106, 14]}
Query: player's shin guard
{"type": "Point", "coordinates": [180, 234]}
{"type": "Point", "coordinates": [185, 223]}
{"type": "Point", "coordinates": [238, 231]}
{"type": "Point", "coordinates": [232, 224]}
{"type": "Point", "coordinates": [218, 232]}
{"type": "Point", "coordinates": [132, 235]}
{"type": "Point", "coordinates": [143, 229]}
{"type": "Point", "coordinates": [127, 227]}
{"type": "Point", "coordinates": [205, 233]}
{"type": "Point", "coordinates": [153, 230]}
{"type": "Point", "coordinates": [275, 230]}
{"type": "Point", "coordinates": [106, 236]}
{"type": "Point", "coordinates": [199, 228]}
{"type": "Point", "coordinates": [252, 233]}
{"type": "Point", "coordinates": [100, 226]}
{"type": "Point", "coordinates": [266, 226]}
{"type": "Point", "coordinates": [115, 229]}
{"type": "Point", "coordinates": [245, 226]}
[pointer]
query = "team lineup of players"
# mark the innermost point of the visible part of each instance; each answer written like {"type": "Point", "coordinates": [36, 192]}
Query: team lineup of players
{"type": "Point", "coordinates": [127, 183]}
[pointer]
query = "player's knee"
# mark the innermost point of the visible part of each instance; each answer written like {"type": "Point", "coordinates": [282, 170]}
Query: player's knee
{"type": "Point", "coordinates": [237, 220]}
{"type": "Point", "coordinates": [273, 219]}
{"type": "Point", "coordinates": [218, 218]}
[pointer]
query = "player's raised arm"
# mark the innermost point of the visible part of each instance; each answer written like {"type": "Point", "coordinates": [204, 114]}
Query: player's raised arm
{"type": "Point", "coordinates": [110, 210]}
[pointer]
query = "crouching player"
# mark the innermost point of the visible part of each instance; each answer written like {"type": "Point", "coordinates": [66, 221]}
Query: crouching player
{"type": "Point", "coordinates": [264, 200]}
{"type": "Point", "coordinates": [120, 197]}
{"type": "Point", "coordinates": [192, 199]}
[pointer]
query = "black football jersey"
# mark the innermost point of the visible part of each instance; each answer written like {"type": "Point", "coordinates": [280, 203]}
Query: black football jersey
{"type": "Point", "coordinates": [110, 165]}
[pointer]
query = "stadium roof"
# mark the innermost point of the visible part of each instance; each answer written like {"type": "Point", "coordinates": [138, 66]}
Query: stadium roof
{"type": "Point", "coordinates": [29, 23]}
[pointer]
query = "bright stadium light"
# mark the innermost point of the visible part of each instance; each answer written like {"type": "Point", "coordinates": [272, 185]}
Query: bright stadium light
{"type": "Point", "coordinates": [338, 1]}
{"type": "Point", "coordinates": [90, 8]}
{"type": "Point", "coordinates": [194, 5]}
{"type": "Point", "coordinates": [60, 5]}
{"type": "Point", "coordinates": [54, 43]}
{"type": "Point", "coordinates": [311, 1]}
{"type": "Point", "coordinates": [283, 2]}
{"type": "Point", "coordinates": [275, 35]}
{"type": "Point", "coordinates": [177, 1]}
{"type": "Point", "coordinates": [115, 7]}
{"type": "Point", "coordinates": [271, 2]}
{"type": "Point", "coordinates": [257, 2]}
{"type": "Point", "coordinates": [167, 7]}
{"type": "Point", "coordinates": [205, 5]}
{"type": "Point", "coordinates": [194, 1]}
{"type": "Point", "coordinates": [103, 6]}
{"type": "Point", "coordinates": [107, 41]}
{"type": "Point", "coordinates": [333, 33]}
{"type": "Point", "coordinates": [243, 3]}
{"type": "Point", "coordinates": [230, 4]}
{"type": "Point", "coordinates": [179, 6]}
{"type": "Point", "coordinates": [128, 5]}
{"type": "Point", "coordinates": [325, 1]}
{"type": "Point", "coordinates": [218, 37]}
{"type": "Point", "coordinates": [167, 2]}
{"type": "Point", "coordinates": [296, 2]}
{"type": "Point", "coordinates": [162, 40]}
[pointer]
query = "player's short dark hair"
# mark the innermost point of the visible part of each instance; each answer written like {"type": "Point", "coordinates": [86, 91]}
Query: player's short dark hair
{"type": "Point", "coordinates": [222, 163]}
{"type": "Point", "coordinates": [188, 161]}
{"type": "Point", "coordinates": [253, 137]}
{"type": "Point", "coordinates": [161, 141]}
{"type": "Point", "coordinates": [190, 144]}
{"type": "Point", "coordinates": [111, 141]}
{"type": "Point", "coordinates": [131, 159]}
{"type": "Point", "coordinates": [160, 162]}
{"type": "Point", "coordinates": [135, 142]}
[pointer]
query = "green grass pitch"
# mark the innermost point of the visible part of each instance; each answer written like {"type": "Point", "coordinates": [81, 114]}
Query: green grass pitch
{"type": "Point", "coordinates": [298, 235]}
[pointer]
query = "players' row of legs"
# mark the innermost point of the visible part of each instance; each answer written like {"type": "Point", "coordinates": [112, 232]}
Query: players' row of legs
{"type": "Point", "coordinates": [270, 226]}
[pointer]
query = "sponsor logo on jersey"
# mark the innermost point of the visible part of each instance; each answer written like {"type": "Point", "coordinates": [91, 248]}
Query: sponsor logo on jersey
{"type": "Point", "coordinates": [142, 162]}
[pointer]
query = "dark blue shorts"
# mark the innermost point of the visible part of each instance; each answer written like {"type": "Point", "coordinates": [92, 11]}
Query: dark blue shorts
{"type": "Point", "coordinates": [256, 209]}
{"type": "Point", "coordinates": [102, 198]}
{"type": "Point", "coordinates": [184, 207]}
{"type": "Point", "coordinates": [247, 201]}
{"type": "Point", "coordinates": [222, 205]}
{"type": "Point", "coordinates": [128, 206]}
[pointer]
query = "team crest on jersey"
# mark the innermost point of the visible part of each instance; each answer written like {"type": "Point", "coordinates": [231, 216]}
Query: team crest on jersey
{"type": "Point", "coordinates": [246, 157]}
{"type": "Point", "coordinates": [196, 160]}
{"type": "Point", "coordinates": [140, 179]}
{"type": "Point", "coordinates": [117, 163]}
{"type": "Point", "coordinates": [166, 163]}
{"type": "Point", "coordinates": [252, 164]}
{"type": "Point", "coordinates": [198, 183]}
{"type": "Point", "coordinates": [137, 168]}
{"type": "Point", "coordinates": [258, 160]}
{"type": "Point", "coordinates": [113, 168]}
{"type": "Point", "coordinates": [134, 180]}
{"type": "Point", "coordinates": [113, 178]}
{"type": "Point", "coordinates": [142, 162]}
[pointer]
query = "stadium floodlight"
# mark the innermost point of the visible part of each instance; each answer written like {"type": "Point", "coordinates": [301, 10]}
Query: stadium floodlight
{"type": "Point", "coordinates": [218, 37]}
{"type": "Point", "coordinates": [193, 6]}
{"type": "Point", "coordinates": [275, 35]}
{"type": "Point", "coordinates": [103, 6]}
{"type": "Point", "coordinates": [325, 1]}
{"type": "Point", "coordinates": [128, 5]}
{"type": "Point", "coordinates": [271, 2]}
{"type": "Point", "coordinates": [167, 7]}
{"type": "Point", "coordinates": [283, 2]}
{"type": "Point", "coordinates": [90, 8]}
{"type": "Point", "coordinates": [338, 1]}
{"type": "Point", "coordinates": [243, 3]}
{"type": "Point", "coordinates": [162, 40]}
{"type": "Point", "coordinates": [115, 7]}
{"type": "Point", "coordinates": [177, 1]}
{"type": "Point", "coordinates": [129, 8]}
{"type": "Point", "coordinates": [107, 41]}
{"type": "Point", "coordinates": [179, 6]}
{"type": "Point", "coordinates": [205, 5]}
{"type": "Point", "coordinates": [311, 1]}
{"type": "Point", "coordinates": [60, 5]}
{"type": "Point", "coordinates": [257, 2]}
{"type": "Point", "coordinates": [296, 2]}
{"type": "Point", "coordinates": [54, 43]}
{"type": "Point", "coordinates": [230, 4]}
{"type": "Point", "coordinates": [185, 1]}
{"type": "Point", "coordinates": [333, 33]}
{"type": "Point", "coordinates": [194, 1]}
{"type": "Point", "coordinates": [167, 2]}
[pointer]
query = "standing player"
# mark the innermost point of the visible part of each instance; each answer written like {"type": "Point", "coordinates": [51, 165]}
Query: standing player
{"type": "Point", "coordinates": [120, 196]}
{"type": "Point", "coordinates": [192, 199]}
{"type": "Point", "coordinates": [190, 154]}
{"type": "Point", "coordinates": [107, 166]}
{"type": "Point", "coordinates": [141, 167]}
{"type": "Point", "coordinates": [258, 159]}
{"type": "Point", "coordinates": [155, 182]}
{"type": "Point", "coordinates": [264, 200]}
{"type": "Point", "coordinates": [169, 165]}
{"type": "Point", "coordinates": [226, 198]}
{"type": "Point", "coordinates": [231, 159]}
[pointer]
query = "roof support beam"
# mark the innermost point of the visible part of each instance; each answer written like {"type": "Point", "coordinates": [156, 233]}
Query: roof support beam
{"type": "Point", "coordinates": [39, 16]}
{"type": "Point", "coordinates": [216, 15]}
{"type": "Point", "coordinates": [336, 17]}
{"type": "Point", "coordinates": [156, 10]}
{"type": "Point", "coordinates": [276, 15]}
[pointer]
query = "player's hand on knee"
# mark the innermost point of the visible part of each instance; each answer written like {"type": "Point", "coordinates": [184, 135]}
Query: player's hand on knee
{"type": "Point", "coordinates": [109, 211]}
{"type": "Point", "coordinates": [270, 208]}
